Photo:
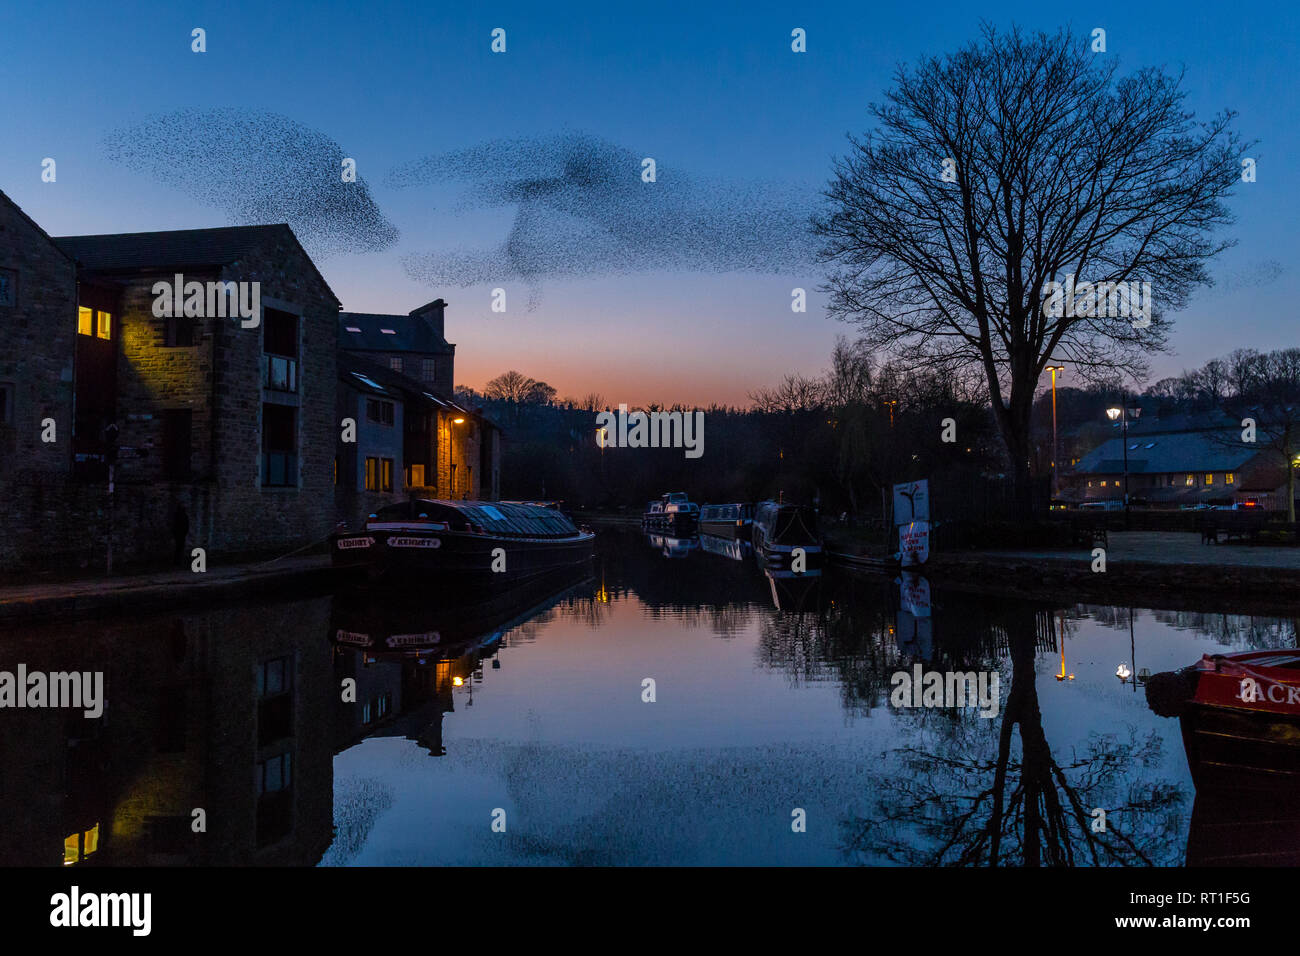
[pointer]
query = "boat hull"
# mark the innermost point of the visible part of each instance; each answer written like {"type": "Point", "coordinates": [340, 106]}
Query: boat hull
{"type": "Point", "coordinates": [406, 557]}
{"type": "Point", "coordinates": [726, 529]}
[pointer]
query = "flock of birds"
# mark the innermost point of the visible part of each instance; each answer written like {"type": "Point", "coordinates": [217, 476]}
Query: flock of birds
{"type": "Point", "coordinates": [582, 206]}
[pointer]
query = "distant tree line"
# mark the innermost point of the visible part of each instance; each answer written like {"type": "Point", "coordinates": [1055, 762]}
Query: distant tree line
{"type": "Point", "coordinates": [844, 437]}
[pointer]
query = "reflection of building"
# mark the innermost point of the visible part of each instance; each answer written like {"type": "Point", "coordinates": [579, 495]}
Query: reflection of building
{"type": "Point", "coordinates": [197, 718]}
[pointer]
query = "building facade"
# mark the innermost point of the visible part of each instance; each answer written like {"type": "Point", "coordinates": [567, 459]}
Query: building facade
{"type": "Point", "coordinates": [411, 437]}
{"type": "Point", "coordinates": [138, 425]}
{"type": "Point", "coordinates": [1180, 462]}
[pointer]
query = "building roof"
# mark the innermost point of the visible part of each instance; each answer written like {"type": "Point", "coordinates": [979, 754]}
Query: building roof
{"type": "Point", "coordinates": [1170, 452]}
{"type": "Point", "coordinates": [361, 373]}
{"type": "Point", "coordinates": [34, 224]}
{"type": "Point", "coordinates": [377, 332]}
{"type": "Point", "coordinates": [177, 249]}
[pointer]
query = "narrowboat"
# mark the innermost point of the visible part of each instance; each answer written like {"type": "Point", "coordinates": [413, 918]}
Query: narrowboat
{"type": "Point", "coordinates": [443, 545]}
{"type": "Point", "coordinates": [779, 529]}
{"type": "Point", "coordinates": [727, 521]}
{"type": "Point", "coordinates": [1240, 716]}
{"type": "Point", "coordinates": [674, 513]}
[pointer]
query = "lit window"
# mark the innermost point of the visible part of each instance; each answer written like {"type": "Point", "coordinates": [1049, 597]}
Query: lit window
{"type": "Point", "coordinates": [1209, 479]}
{"type": "Point", "coordinates": [415, 476]}
{"type": "Point", "coordinates": [85, 321]}
{"type": "Point", "coordinates": [379, 474]}
{"type": "Point", "coordinates": [353, 328]}
{"type": "Point", "coordinates": [1229, 478]}
{"type": "Point", "coordinates": [80, 845]}
{"type": "Point", "coordinates": [103, 325]}
{"type": "Point", "coordinates": [1103, 484]}
{"type": "Point", "coordinates": [1090, 484]}
{"type": "Point", "coordinates": [388, 331]}
{"type": "Point", "coordinates": [1189, 480]}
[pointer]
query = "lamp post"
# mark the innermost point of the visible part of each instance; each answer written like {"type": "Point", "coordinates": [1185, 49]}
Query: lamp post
{"type": "Point", "coordinates": [451, 453]}
{"type": "Point", "coordinates": [1056, 481]}
{"type": "Point", "coordinates": [1122, 414]}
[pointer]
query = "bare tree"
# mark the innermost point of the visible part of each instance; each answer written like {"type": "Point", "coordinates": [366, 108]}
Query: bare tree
{"type": "Point", "coordinates": [796, 393]}
{"type": "Point", "coordinates": [1018, 161]}
{"type": "Point", "coordinates": [510, 386]}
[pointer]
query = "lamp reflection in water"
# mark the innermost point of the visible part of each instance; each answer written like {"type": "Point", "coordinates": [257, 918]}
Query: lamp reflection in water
{"type": "Point", "coordinates": [1061, 675]}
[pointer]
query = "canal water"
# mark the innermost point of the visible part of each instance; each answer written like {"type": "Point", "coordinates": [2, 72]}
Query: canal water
{"type": "Point", "coordinates": [678, 706]}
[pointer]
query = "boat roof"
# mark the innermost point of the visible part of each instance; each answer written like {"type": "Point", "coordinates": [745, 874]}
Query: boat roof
{"type": "Point", "coordinates": [497, 517]}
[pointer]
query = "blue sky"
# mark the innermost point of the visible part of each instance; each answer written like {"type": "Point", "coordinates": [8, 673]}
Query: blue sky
{"type": "Point", "coordinates": [712, 92]}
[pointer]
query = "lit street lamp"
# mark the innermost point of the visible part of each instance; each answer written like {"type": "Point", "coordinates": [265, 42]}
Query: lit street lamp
{"type": "Point", "coordinates": [451, 453]}
{"type": "Point", "coordinates": [1122, 414]}
{"type": "Point", "coordinates": [1056, 482]}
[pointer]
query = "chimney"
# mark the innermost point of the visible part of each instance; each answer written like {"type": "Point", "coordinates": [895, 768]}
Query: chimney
{"type": "Point", "coordinates": [432, 314]}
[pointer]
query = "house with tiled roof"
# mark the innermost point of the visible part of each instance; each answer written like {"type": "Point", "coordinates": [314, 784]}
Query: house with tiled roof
{"type": "Point", "coordinates": [414, 344]}
{"type": "Point", "coordinates": [1180, 461]}
{"type": "Point", "coordinates": [396, 382]}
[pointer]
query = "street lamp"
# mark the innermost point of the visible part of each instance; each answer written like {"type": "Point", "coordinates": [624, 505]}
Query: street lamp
{"type": "Point", "coordinates": [1056, 481]}
{"type": "Point", "coordinates": [451, 453]}
{"type": "Point", "coordinates": [1122, 414]}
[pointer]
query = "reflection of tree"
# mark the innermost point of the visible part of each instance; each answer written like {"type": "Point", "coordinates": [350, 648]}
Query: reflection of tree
{"type": "Point", "coordinates": [587, 610]}
{"type": "Point", "coordinates": [949, 808]}
{"type": "Point", "coordinates": [1234, 630]}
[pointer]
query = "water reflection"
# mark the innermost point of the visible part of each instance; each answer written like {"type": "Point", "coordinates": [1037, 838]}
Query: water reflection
{"type": "Point", "coordinates": [350, 731]}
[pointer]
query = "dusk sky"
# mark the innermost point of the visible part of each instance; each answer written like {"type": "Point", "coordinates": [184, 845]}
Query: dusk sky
{"type": "Point", "coordinates": [681, 295]}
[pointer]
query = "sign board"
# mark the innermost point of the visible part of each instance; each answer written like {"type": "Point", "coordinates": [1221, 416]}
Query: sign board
{"type": "Point", "coordinates": [911, 502]}
{"type": "Point", "coordinates": [914, 543]}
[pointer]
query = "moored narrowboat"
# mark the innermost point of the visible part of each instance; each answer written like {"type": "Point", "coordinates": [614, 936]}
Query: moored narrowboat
{"type": "Point", "coordinates": [727, 521]}
{"type": "Point", "coordinates": [1240, 716]}
{"type": "Point", "coordinates": [431, 544]}
{"type": "Point", "coordinates": [779, 529]}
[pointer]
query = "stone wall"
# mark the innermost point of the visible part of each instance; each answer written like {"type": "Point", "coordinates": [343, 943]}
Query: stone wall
{"type": "Point", "coordinates": [37, 348]}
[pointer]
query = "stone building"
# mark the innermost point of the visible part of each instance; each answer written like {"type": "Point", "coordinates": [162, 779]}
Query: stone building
{"type": "Point", "coordinates": [208, 418]}
{"type": "Point", "coordinates": [414, 345]}
{"type": "Point", "coordinates": [412, 438]}
{"type": "Point", "coordinates": [38, 308]}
